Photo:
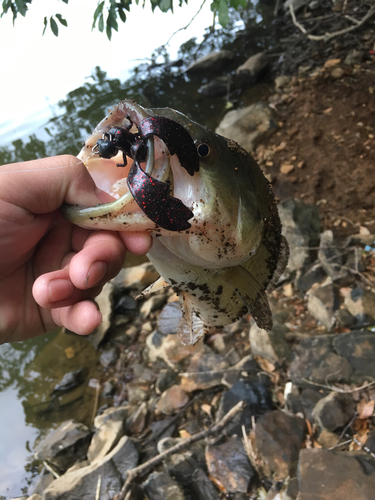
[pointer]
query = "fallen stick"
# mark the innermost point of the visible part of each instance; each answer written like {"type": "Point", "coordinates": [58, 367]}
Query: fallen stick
{"type": "Point", "coordinates": [182, 445]}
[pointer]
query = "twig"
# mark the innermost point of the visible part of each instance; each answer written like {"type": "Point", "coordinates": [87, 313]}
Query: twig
{"type": "Point", "coordinates": [185, 27]}
{"type": "Point", "coordinates": [98, 487]}
{"type": "Point", "coordinates": [328, 36]}
{"type": "Point", "coordinates": [339, 389]}
{"type": "Point", "coordinates": [182, 445]}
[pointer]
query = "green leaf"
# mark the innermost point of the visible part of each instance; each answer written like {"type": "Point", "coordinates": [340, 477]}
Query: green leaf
{"type": "Point", "coordinates": [54, 27]}
{"type": "Point", "coordinates": [238, 3]}
{"type": "Point", "coordinates": [111, 20]}
{"type": "Point", "coordinates": [62, 20]}
{"type": "Point", "coordinates": [165, 5]}
{"type": "Point", "coordinates": [101, 23]}
{"type": "Point", "coordinates": [45, 25]}
{"type": "Point", "coordinates": [98, 10]}
{"type": "Point", "coordinates": [223, 13]}
{"type": "Point", "coordinates": [122, 15]}
{"type": "Point", "coordinates": [109, 31]}
{"type": "Point", "coordinates": [65, 1]}
{"type": "Point", "coordinates": [21, 6]}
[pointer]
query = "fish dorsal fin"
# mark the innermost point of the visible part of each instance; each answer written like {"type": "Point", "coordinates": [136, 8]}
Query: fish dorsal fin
{"type": "Point", "coordinates": [251, 293]}
{"type": "Point", "coordinates": [156, 286]}
{"type": "Point", "coordinates": [191, 328]}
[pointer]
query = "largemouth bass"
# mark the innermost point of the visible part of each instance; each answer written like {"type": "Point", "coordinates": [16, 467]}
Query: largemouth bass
{"type": "Point", "coordinates": [216, 230]}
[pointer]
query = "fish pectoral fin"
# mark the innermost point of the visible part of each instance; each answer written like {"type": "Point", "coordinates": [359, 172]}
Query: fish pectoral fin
{"type": "Point", "coordinates": [251, 294]}
{"type": "Point", "coordinates": [156, 286]}
{"type": "Point", "coordinates": [191, 328]}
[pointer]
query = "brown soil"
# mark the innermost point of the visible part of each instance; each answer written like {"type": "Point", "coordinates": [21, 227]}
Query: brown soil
{"type": "Point", "coordinates": [323, 150]}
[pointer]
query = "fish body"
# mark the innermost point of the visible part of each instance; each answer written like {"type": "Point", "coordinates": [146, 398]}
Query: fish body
{"type": "Point", "coordinates": [221, 265]}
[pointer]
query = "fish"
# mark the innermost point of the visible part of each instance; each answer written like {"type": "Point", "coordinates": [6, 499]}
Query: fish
{"type": "Point", "coordinates": [212, 213]}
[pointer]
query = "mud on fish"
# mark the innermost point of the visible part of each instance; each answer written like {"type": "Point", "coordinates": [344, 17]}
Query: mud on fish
{"type": "Point", "coordinates": [216, 230]}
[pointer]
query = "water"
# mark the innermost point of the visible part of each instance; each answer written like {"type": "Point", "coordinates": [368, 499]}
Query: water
{"type": "Point", "coordinates": [29, 370]}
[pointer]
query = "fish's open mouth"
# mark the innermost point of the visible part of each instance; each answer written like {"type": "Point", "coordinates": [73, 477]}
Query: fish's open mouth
{"type": "Point", "coordinates": [129, 157]}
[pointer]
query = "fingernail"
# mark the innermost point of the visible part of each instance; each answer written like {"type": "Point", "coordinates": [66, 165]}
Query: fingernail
{"type": "Point", "coordinates": [96, 273]}
{"type": "Point", "coordinates": [59, 290]}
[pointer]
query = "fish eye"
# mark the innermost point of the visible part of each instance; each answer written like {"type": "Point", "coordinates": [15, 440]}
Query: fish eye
{"type": "Point", "coordinates": [203, 150]}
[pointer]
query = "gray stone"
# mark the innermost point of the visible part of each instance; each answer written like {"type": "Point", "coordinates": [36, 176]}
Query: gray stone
{"type": "Point", "coordinates": [169, 318]}
{"type": "Point", "coordinates": [106, 436]}
{"type": "Point", "coordinates": [202, 487]}
{"type": "Point", "coordinates": [215, 62]}
{"type": "Point", "coordinates": [301, 228]}
{"type": "Point", "coordinates": [250, 71]}
{"type": "Point", "coordinates": [229, 464]}
{"type": "Point", "coordinates": [172, 400]}
{"type": "Point", "coordinates": [112, 413]}
{"type": "Point", "coordinates": [334, 411]}
{"type": "Point", "coordinates": [358, 348]}
{"type": "Point", "coordinates": [70, 380]}
{"type": "Point", "coordinates": [330, 256]}
{"type": "Point", "coordinates": [330, 475]}
{"type": "Point", "coordinates": [166, 378]}
{"type": "Point", "coordinates": [169, 349]}
{"type": "Point", "coordinates": [65, 445]}
{"type": "Point", "coordinates": [153, 303]}
{"type": "Point", "coordinates": [323, 303]}
{"type": "Point", "coordinates": [361, 304]}
{"type": "Point", "coordinates": [246, 367]}
{"type": "Point", "coordinates": [248, 126]}
{"type": "Point", "coordinates": [109, 357]}
{"type": "Point", "coordinates": [217, 87]}
{"type": "Point", "coordinates": [83, 482]}
{"type": "Point", "coordinates": [160, 486]}
{"type": "Point", "coordinates": [206, 369]}
{"type": "Point", "coordinates": [305, 280]}
{"type": "Point", "coordinates": [279, 437]}
{"type": "Point", "coordinates": [136, 421]}
{"type": "Point", "coordinates": [270, 345]}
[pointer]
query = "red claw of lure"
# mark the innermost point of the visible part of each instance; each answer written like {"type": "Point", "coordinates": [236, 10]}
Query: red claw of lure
{"type": "Point", "coordinates": [152, 197]}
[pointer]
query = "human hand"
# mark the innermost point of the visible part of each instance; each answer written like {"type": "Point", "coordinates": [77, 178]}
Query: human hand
{"type": "Point", "coordinates": [51, 270]}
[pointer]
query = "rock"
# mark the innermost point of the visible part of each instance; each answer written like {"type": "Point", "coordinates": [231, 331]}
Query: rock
{"type": "Point", "coordinates": [309, 399]}
{"type": "Point", "coordinates": [215, 62]}
{"type": "Point", "coordinates": [153, 303]}
{"type": "Point", "coordinates": [323, 303]}
{"type": "Point", "coordinates": [202, 488]}
{"type": "Point", "coordinates": [126, 305]}
{"type": "Point", "coordinates": [247, 126]}
{"type": "Point", "coordinates": [70, 380]}
{"type": "Point", "coordinates": [107, 435]}
{"type": "Point", "coordinates": [334, 411]}
{"type": "Point", "coordinates": [230, 466]}
{"type": "Point", "coordinates": [361, 304]}
{"type": "Point", "coordinates": [301, 228]}
{"type": "Point", "coordinates": [305, 280]}
{"type": "Point", "coordinates": [142, 374]}
{"type": "Point", "coordinates": [314, 359]}
{"type": "Point", "coordinates": [250, 71]}
{"type": "Point", "coordinates": [136, 277]}
{"type": "Point", "coordinates": [169, 349]}
{"type": "Point", "coordinates": [181, 466]}
{"type": "Point", "coordinates": [83, 482]}
{"type": "Point", "coordinates": [169, 318]}
{"type": "Point", "coordinates": [206, 369]}
{"type": "Point", "coordinates": [108, 389]}
{"type": "Point", "coordinates": [105, 303]}
{"type": "Point", "coordinates": [136, 422]}
{"type": "Point", "coordinates": [337, 73]}
{"type": "Point", "coordinates": [108, 357]}
{"type": "Point", "coordinates": [282, 81]}
{"type": "Point", "coordinates": [358, 348]}
{"type": "Point", "coordinates": [297, 4]}
{"type": "Point", "coordinates": [279, 437]}
{"type": "Point", "coordinates": [172, 399]}
{"type": "Point", "coordinates": [218, 87]}
{"type": "Point", "coordinates": [112, 413]}
{"type": "Point", "coordinates": [161, 429]}
{"type": "Point", "coordinates": [137, 392]}
{"type": "Point", "coordinates": [328, 439]}
{"type": "Point", "coordinates": [246, 367]}
{"type": "Point", "coordinates": [35, 496]}
{"type": "Point", "coordinates": [65, 445]}
{"type": "Point", "coordinates": [330, 475]}
{"type": "Point", "coordinates": [160, 486]}
{"type": "Point", "coordinates": [166, 378]}
{"type": "Point", "coordinates": [256, 397]}
{"type": "Point", "coordinates": [354, 56]}
{"type": "Point", "coordinates": [270, 345]}
{"type": "Point", "coordinates": [330, 257]}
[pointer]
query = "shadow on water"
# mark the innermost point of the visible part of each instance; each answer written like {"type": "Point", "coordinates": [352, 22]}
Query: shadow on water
{"type": "Point", "coordinates": [30, 370]}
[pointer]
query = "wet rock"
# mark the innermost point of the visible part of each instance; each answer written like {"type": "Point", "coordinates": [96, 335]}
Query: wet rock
{"type": "Point", "coordinates": [105, 303]}
{"type": "Point", "coordinates": [169, 349]}
{"type": "Point", "coordinates": [270, 345]}
{"type": "Point", "coordinates": [169, 318]}
{"type": "Point", "coordinates": [160, 486]}
{"type": "Point", "coordinates": [256, 397]}
{"type": "Point", "coordinates": [305, 280]}
{"type": "Point", "coordinates": [202, 488]}
{"type": "Point", "coordinates": [301, 228]}
{"type": "Point", "coordinates": [166, 378]}
{"type": "Point", "coordinates": [215, 62]}
{"type": "Point", "coordinates": [358, 348]}
{"type": "Point", "coordinates": [70, 380]}
{"type": "Point", "coordinates": [65, 445]}
{"type": "Point", "coordinates": [330, 475]}
{"type": "Point", "coordinates": [217, 87]}
{"type": "Point", "coordinates": [279, 437]}
{"type": "Point", "coordinates": [246, 367]}
{"type": "Point", "coordinates": [251, 70]}
{"type": "Point", "coordinates": [334, 411]}
{"type": "Point", "coordinates": [172, 399]}
{"type": "Point", "coordinates": [136, 277]}
{"type": "Point", "coordinates": [247, 126]}
{"type": "Point", "coordinates": [315, 360]}
{"type": "Point", "coordinates": [361, 304]}
{"type": "Point", "coordinates": [83, 482]}
{"type": "Point", "coordinates": [230, 466]}
{"type": "Point", "coordinates": [136, 422]}
{"type": "Point", "coordinates": [108, 357]}
{"type": "Point", "coordinates": [323, 303]}
{"type": "Point", "coordinates": [206, 369]}
{"type": "Point", "coordinates": [107, 435]}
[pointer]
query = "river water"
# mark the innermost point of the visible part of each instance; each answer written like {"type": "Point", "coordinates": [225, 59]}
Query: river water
{"type": "Point", "coordinates": [30, 370]}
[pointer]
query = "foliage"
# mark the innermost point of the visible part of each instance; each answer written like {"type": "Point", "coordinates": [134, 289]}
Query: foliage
{"type": "Point", "coordinates": [108, 12]}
